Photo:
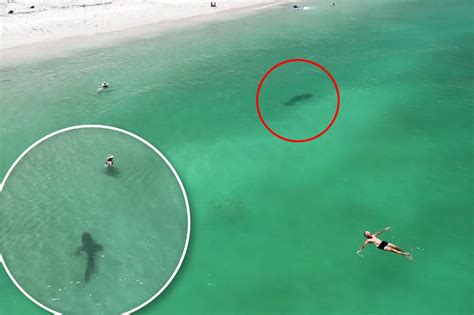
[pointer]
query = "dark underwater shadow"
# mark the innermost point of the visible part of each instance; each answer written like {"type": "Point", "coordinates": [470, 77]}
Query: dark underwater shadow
{"type": "Point", "coordinates": [90, 249]}
{"type": "Point", "coordinates": [298, 98]}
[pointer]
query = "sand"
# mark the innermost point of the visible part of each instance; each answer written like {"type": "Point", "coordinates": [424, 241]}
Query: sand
{"type": "Point", "coordinates": [51, 20]}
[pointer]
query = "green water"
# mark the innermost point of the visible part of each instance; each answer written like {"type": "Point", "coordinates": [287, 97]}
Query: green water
{"type": "Point", "coordinates": [275, 224]}
{"type": "Point", "coordinates": [297, 100]}
{"type": "Point", "coordinates": [136, 211]}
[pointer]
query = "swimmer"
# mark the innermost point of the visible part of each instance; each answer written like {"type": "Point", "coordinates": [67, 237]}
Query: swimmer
{"type": "Point", "coordinates": [383, 245]}
{"type": "Point", "coordinates": [109, 161]}
{"type": "Point", "coordinates": [103, 87]}
{"type": "Point", "coordinates": [296, 7]}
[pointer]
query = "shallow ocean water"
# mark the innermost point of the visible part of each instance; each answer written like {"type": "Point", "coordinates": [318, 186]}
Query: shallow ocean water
{"type": "Point", "coordinates": [275, 224]}
{"type": "Point", "coordinates": [136, 212]}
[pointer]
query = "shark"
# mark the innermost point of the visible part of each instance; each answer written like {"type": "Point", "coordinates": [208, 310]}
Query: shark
{"type": "Point", "coordinates": [298, 98]}
{"type": "Point", "coordinates": [90, 248]}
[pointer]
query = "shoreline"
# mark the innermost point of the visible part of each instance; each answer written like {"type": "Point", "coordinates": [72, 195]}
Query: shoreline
{"type": "Point", "coordinates": [62, 44]}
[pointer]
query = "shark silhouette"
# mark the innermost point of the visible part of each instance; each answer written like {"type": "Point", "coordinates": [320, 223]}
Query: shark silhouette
{"type": "Point", "coordinates": [298, 98]}
{"type": "Point", "coordinates": [90, 248]}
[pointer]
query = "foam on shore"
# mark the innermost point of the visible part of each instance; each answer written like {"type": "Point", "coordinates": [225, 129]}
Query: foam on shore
{"type": "Point", "coordinates": [48, 21]}
{"type": "Point", "coordinates": [51, 30]}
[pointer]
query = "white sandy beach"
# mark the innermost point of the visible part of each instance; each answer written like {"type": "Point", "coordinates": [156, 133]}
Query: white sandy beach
{"type": "Point", "coordinates": [51, 20]}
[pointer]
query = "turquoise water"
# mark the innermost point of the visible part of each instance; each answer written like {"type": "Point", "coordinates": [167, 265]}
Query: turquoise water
{"type": "Point", "coordinates": [275, 224]}
{"type": "Point", "coordinates": [136, 211]}
{"type": "Point", "coordinates": [298, 100]}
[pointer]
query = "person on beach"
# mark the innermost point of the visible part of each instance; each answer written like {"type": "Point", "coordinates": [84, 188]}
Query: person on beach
{"type": "Point", "coordinates": [109, 161]}
{"type": "Point", "coordinates": [383, 245]}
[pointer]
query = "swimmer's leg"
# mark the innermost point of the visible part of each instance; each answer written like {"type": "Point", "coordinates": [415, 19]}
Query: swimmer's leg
{"type": "Point", "coordinates": [395, 247]}
{"type": "Point", "coordinates": [396, 250]}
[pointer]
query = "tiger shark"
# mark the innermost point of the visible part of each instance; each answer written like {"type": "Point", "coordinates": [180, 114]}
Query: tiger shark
{"type": "Point", "coordinates": [90, 248]}
{"type": "Point", "coordinates": [298, 98]}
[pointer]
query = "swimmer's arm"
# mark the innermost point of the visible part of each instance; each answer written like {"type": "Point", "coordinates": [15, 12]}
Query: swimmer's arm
{"type": "Point", "coordinates": [362, 247]}
{"type": "Point", "coordinates": [387, 228]}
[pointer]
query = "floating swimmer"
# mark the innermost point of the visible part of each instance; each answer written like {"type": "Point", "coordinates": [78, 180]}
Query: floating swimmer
{"type": "Point", "coordinates": [109, 161]}
{"type": "Point", "coordinates": [383, 245]}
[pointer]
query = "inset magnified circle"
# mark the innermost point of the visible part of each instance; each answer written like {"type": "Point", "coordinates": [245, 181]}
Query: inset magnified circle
{"type": "Point", "coordinates": [94, 220]}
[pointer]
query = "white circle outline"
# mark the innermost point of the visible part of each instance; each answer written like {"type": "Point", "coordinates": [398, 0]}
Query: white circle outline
{"type": "Point", "coordinates": [10, 170]}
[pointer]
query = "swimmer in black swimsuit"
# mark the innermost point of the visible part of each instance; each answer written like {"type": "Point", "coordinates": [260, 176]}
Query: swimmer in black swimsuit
{"type": "Point", "coordinates": [383, 245]}
{"type": "Point", "coordinates": [109, 161]}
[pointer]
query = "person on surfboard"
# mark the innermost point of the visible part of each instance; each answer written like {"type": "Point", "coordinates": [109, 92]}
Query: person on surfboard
{"type": "Point", "coordinates": [383, 245]}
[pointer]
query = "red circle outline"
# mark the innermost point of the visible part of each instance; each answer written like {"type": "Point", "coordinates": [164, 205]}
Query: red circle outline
{"type": "Point", "coordinates": [314, 64]}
